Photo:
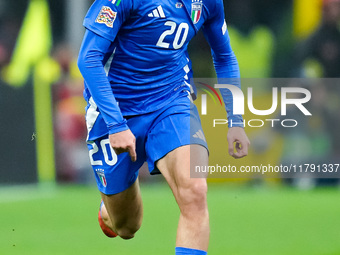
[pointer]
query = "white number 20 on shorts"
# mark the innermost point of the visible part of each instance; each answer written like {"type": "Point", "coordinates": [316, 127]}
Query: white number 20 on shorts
{"type": "Point", "coordinates": [103, 144]}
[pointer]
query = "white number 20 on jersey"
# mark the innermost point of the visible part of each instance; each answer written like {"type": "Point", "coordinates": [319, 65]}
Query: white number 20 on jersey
{"type": "Point", "coordinates": [183, 28]}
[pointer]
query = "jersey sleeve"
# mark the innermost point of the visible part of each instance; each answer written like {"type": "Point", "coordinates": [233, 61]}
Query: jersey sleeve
{"type": "Point", "coordinates": [90, 63]}
{"type": "Point", "coordinates": [103, 21]}
{"type": "Point", "coordinates": [105, 17]}
{"type": "Point", "coordinates": [225, 62]}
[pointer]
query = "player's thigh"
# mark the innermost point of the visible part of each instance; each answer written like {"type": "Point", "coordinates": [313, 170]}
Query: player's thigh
{"type": "Point", "coordinates": [177, 168]}
{"type": "Point", "coordinates": [177, 127]}
{"type": "Point", "coordinates": [175, 145]}
{"type": "Point", "coordinates": [179, 165]}
{"type": "Point", "coordinates": [181, 141]}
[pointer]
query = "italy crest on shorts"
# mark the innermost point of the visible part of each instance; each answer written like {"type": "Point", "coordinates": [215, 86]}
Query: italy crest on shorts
{"type": "Point", "coordinates": [106, 16]}
{"type": "Point", "coordinates": [196, 11]}
{"type": "Point", "coordinates": [101, 176]}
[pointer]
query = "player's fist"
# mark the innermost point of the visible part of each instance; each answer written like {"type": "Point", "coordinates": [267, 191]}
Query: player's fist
{"type": "Point", "coordinates": [124, 141]}
{"type": "Point", "coordinates": [237, 136]}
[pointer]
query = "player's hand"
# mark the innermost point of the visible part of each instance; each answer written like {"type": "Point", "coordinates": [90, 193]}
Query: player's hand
{"type": "Point", "coordinates": [124, 141]}
{"type": "Point", "coordinates": [237, 136]}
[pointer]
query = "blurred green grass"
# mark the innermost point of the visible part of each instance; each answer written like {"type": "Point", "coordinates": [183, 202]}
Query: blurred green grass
{"type": "Point", "coordinates": [244, 220]}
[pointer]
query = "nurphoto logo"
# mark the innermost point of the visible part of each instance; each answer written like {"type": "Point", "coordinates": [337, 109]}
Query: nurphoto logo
{"type": "Point", "coordinates": [287, 96]}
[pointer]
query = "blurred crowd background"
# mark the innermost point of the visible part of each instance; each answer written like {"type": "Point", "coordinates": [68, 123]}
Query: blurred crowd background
{"type": "Point", "coordinates": [42, 127]}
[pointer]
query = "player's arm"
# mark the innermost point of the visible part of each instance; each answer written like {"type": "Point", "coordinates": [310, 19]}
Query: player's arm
{"type": "Point", "coordinates": [96, 43]}
{"type": "Point", "coordinates": [227, 69]}
{"type": "Point", "coordinates": [90, 63]}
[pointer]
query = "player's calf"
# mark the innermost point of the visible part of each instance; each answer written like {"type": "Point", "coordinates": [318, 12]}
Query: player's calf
{"type": "Point", "coordinates": [193, 228]}
{"type": "Point", "coordinates": [124, 211]}
{"type": "Point", "coordinates": [105, 222]}
{"type": "Point", "coordinates": [124, 230]}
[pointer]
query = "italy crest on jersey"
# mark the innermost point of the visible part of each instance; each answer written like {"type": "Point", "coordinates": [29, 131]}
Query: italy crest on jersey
{"type": "Point", "coordinates": [196, 10]}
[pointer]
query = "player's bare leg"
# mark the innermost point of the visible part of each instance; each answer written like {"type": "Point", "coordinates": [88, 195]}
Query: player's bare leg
{"type": "Point", "coordinates": [123, 212]}
{"type": "Point", "coordinates": [190, 194]}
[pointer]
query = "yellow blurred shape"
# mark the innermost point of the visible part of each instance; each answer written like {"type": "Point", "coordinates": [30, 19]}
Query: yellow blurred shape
{"type": "Point", "coordinates": [33, 44]}
{"type": "Point", "coordinates": [307, 16]}
{"type": "Point", "coordinates": [254, 51]}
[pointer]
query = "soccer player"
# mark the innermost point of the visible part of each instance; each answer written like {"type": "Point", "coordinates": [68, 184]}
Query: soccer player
{"type": "Point", "coordinates": [135, 65]}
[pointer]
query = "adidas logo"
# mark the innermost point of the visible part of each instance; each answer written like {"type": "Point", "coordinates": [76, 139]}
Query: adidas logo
{"type": "Point", "coordinates": [199, 134]}
{"type": "Point", "coordinates": [158, 12]}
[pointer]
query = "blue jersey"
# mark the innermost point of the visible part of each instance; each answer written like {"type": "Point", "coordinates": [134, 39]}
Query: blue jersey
{"type": "Point", "coordinates": [143, 44]}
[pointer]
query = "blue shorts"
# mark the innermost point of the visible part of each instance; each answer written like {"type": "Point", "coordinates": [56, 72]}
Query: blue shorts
{"type": "Point", "coordinates": [157, 133]}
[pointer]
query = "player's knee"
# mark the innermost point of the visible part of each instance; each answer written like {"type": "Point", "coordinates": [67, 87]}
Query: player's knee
{"type": "Point", "coordinates": [127, 232]}
{"type": "Point", "coordinates": [193, 198]}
